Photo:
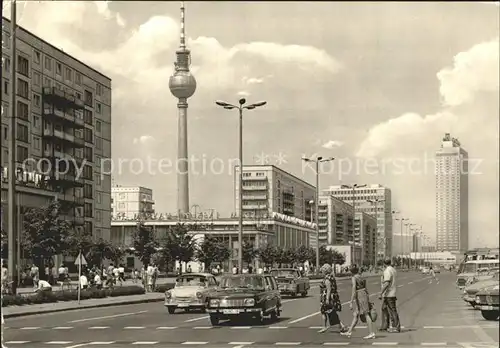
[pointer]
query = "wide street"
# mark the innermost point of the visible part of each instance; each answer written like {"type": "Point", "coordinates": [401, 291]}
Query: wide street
{"type": "Point", "coordinates": [431, 315]}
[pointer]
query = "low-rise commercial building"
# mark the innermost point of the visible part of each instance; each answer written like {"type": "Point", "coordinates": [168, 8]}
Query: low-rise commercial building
{"type": "Point", "coordinates": [129, 201]}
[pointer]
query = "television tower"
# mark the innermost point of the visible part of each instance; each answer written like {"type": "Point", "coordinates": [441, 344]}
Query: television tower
{"type": "Point", "coordinates": [182, 85]}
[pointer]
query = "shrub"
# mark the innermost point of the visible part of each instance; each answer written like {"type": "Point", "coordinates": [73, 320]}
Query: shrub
{"type": "Point", "coordinates": [164, 287]}
{"type": "Point", "coordinates": [126, 291]}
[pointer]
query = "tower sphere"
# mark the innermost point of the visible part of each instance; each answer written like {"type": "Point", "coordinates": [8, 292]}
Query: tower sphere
{"type": "Point", "coordinates": [182, 84]}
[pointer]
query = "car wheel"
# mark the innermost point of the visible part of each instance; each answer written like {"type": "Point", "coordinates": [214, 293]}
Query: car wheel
{"type": "Point", "coordinates": [260, 319]}
{"type": "Point", "coordinates": [490, 315]}
{"type": "Point", "coordinates": [171, 310]}
{"type": "Point", "coordinates": [293, 294]}
{"type": "Point", "coordinates": [274, 315]}
{"type": "Point", "coordinates": [214, 320]}
{"type": "Point", "coordinates": [304, 294]}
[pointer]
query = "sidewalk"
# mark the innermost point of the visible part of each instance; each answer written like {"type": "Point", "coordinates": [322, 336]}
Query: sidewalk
{"type": "Point", "coordinates": [19, 311]}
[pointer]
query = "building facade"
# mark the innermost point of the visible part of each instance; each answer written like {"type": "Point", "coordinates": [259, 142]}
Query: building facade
{"type": "Point", "coordinates": [268, 189]}
{"type": "Point", "coordinates": [63, 131]}
{"type": "Point", "coordinates": [360, 197]}
{"type": "Point", "coordinates": [365, 235]}
{"type": "Point", "coordinates": [452, 196]}
{"type": "Point", "coordinates": [335, 221]}
{"type": "Point", "coordinates": [275, 229]}
{"type": "Point", "coordinates": [130, 201]}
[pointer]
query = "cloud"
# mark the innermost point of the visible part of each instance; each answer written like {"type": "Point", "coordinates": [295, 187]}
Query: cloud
{"type": "Point", "coordinates": [103, 9]}
{"type": "Point", "coordinates": [143, 139]}
{"type": "Point", "coordinates": [332, 144]}
{"type": "Point", "coordinates": [473, 71]}
{"type": "Point", "coordinates": [243, 93]}
{"type": "Point", "coordinates": [470, 112]}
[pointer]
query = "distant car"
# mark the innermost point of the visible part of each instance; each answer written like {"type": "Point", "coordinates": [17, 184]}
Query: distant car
{"type": "Point", "coordinates": [471, 290]}
{"type": "Point", "coordinates": [190, 292]}
{"type": "Point", "coordinates": [488, 301]}
{"type": "Point", "coordinates": [425, 270]}
{"type": "Point", "coordinates": [245, 297]}
{"type": "Point", "coordinates": [291, 282]}
{"type": "Point", "coordinates": [437, 270]}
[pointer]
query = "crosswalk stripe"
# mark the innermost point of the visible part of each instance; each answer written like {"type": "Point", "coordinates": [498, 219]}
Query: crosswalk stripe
{"type": "Point", "coordinates": [98, 327]}
{"type": "Point", "coordinates": [336, 343]}
{"type": "Point", "coordinates": [166, 328]}
{"type": "Point", "coordinates": [434, 344]}
{"type": "Point", "coordinates": [17, 342]}
{"type": "Point", "coordinates": [240, 343]}
{"type": "Point", "coordinates": [63, 328]}
{"type": "Point", "coordinates": [240, 327]}
{"type": "Point", "coordinates": [195, 343]}
{"type": "Point", "coordinates": [30, 328]}
{"type": "Point", "coordinates": [134, 327]}
{"type": "Point", "coordinates": [202, 327]}
{"type": "Point", "coordinates": [59, 342]}
{"type": "Point", "coordinates": [384, 343]}
{"type": "Point", "coordinates": [97, 343]}
{"type": "Point", "coordinates": [145, 342]}
{"type": "Point", "coordinates": [287, 343]}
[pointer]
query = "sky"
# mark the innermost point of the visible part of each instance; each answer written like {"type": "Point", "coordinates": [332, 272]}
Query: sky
{"type": "Point", "coordinates": [375, 85]}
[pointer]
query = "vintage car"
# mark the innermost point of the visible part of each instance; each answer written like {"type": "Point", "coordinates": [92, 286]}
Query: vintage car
{"type": "Point", "coordinates": [488, 301]}
{"type": "Point", "coordinates": [425, 270]}
{"type": "Point", "coordinates": [471, 290]}
{"type": "Point", "coordinates": [245, 296]}
{"type": "Point", "coordinates": [291, 282]}
{"type": "Point", "coordinates": [190, 292]}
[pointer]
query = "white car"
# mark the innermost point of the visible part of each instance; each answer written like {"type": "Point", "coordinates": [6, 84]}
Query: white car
{"type": "Point", "coordinates": [190, 292]}
{"type": "Point", "coordinates": [426, 270]}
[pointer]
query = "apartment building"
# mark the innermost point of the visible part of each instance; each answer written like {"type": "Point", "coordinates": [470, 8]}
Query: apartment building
{"type": "Point", "coordinates": [335, 221]}
{"type": "Point", "coordinates": [131, 201]}
{"type": "Point", "coordinates": [362, 198]}
{"type": "Point", "coordinates": [268, 189]}
{"type": "Point", "coordinates": [63, 117]}
{"type": "Point", "coordinates": [452, 196]}
{"type": "Point", "coordinates": [365, 235]}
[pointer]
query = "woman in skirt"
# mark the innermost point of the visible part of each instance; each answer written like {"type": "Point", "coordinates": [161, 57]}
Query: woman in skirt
{"type": "Point", "coordinates": [360, 304]}
{"type": "Point", "coordinates": [330, 300]}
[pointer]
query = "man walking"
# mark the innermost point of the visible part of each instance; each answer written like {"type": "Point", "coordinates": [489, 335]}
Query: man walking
{"type": "Point", "coordinates": [388, 297]}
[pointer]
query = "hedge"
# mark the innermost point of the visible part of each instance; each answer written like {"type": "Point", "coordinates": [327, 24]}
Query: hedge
{"type": "Point", "coordinates": [69, 295]}
{"type": "Point", "coordinates": [164, 287]}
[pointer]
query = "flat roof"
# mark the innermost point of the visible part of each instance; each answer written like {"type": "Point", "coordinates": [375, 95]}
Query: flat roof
{"type": "Point", "coordinates": [56, 48]}
{"type": "Point", "coordinates": [278, 169]}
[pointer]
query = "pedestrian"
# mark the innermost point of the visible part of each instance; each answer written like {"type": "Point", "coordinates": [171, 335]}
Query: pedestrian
{"type": "Point", "coordinates": [35, 275]}
{"type": "Point", "coordinates": [121, 274]}
{"type": "Point", "coordinates": [388, 297]}
{"type": "Point", "coordinates": [98, 280]}
{"type": "Point", "coordinates": [330, 300]}
{"type": "Point", "coordinates": [433, 275]}
{"type": "Point", "coordinates": [360, 304]}
{"type": "Point", "coordinates": [84, 282]}
{"type": "Point", "coordinates": [44, 286]}
{"type": "Point", "coordinates": [150, 273]}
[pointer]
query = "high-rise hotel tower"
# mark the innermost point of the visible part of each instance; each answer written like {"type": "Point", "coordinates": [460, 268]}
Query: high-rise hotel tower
{"type": "Point", "coordinates": [452, 196]}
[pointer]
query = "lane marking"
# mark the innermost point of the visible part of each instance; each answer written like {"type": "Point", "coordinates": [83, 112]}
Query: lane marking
{"type": "Point", "coordinates": [196, 319]}
{"type": "Point", "coordinates": [166, 328]}
{"type": "Point", "coordinates": [58, 342]}
{"type": "Point", "coordinates": [98, 327]}
{"type": "Point", "coordinates": [434, 344]}
{"type": "Point", "coordinates": [134, 327]}
{"type": "Point", "coordinates": [384, 343]}
{"type": "Point", "coordinates": [30, 328]}
{"type": "Point", "coordinates": [63, 328]}
{"type": "Point", "coordinates": [97, 343]}
{"type": "Point", "coordinates": [17, 342]}
{"type": "Point", "coordinates": [202, 327]}
{"type": "Point", "coordinates": [107, 317]}
{"type": "Point", "coordinates": [410, 283]}
{"type": "Point", "coordinates": [145, 342]}
{"type": "Point", "coordinates": [316, 327]}
{"type": "Point", "coordinates": [241, 343]}
{"type": "Point", "coordinates": [78, 345]}
{"type": "Point", "coordinates": [287, 343]}
{"type": "Point", "coordinates": [336, 343]}
{"type": "Point", "coordinates": [278, 327]}
{"type": "Point", "coordinates": [240, 327]}
{"type": "Point", "coordinates": [194, 343]}
{"type": "Point", "coordinates": [433, 327]}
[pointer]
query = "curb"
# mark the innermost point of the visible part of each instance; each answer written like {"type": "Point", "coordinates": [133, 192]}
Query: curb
{"type": "Point", "coordinates": [100, 305]}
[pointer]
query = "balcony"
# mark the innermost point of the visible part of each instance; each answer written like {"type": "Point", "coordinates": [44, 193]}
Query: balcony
{"type": "Point", "coordinates": [254, 206]}
{"type": "Point", "coordinates": [65, 180]}
{"type": "Point", "coordinates": [68, 138]}
{"type": "Point", "coordinates": [78, 220]}
{"type": "Point", "coordinates": [323, 224]}
{"type": "Point", "coordinates": [254, 178]}
{"type": "Point", "coordinates": [255, 197]}
{"type": "Point", "coordinates": [255, 188]}
{"type": "Point", "coordinates": [58, 97]}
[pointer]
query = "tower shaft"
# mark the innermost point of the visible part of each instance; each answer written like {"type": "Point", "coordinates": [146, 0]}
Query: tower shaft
{"type": "Point", "coordinates": [182, 159]}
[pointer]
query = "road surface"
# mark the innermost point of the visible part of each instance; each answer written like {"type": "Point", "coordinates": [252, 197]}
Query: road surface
{"type": "Point", "coordinates": [432, 315]}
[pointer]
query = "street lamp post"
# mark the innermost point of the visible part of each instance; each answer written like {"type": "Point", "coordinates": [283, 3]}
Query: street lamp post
{"type": "Point", "coordinates": [375, 203]}
{"type": "Point", "coordinates": [242, 106]}
{"type": "Point", "coordinates": [317, 161]}
{"type": "Point", "coordinates": [402, 220]}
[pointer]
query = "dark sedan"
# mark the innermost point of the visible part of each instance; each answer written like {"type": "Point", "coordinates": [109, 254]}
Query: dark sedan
{"type": "Point", "coordinates": [245, 296]}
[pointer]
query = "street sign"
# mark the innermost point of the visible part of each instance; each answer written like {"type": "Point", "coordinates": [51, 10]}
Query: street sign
{"type": "Point", "coordinates": [80, 260]}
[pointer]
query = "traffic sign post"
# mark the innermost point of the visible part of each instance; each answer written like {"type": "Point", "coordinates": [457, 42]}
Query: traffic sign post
{"type": "Point", "coordinates": [80, 260]}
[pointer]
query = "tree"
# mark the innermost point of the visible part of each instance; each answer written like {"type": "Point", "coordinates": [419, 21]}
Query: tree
{"type": "Point", "coordinates": [249, 253]}
{"type": "Point", "coordinates": [179, 243]}
{"type": "Point", "coordinates": [212, 250]}
{"type": "Point", "coordinates": [44, 233]}
{"type": "Point", "coordinates": [116, 253]}
{"type": "Point", "coordinates": [99, 251]}
{"type": "Point", "coordinates": [78, 241]}
{"type": "Point", "coordinates": [288, 256]}
{"type": "Point", "coordinates": [144, 243]}
{"type": "Point", "coordinates": [330, 256]}
{"type": "Point", "coordinates": [302, 254]}
{"type": "Point", "coordinates": [268, 255]}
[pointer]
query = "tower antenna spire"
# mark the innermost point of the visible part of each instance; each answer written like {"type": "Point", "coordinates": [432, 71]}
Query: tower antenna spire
{"type": "Point", "coordinates": [183, 30]}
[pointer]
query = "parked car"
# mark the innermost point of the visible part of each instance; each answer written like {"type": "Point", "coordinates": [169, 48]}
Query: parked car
{"type": "Point", "coordinates": [471, 290]}
{"type": "Point", "coordinates": [488, 301]}
{"type": "Point", "coordinates": [245, 297]}
{"type": "Point", "coordinates": [190, 292]}
{"type": "Point", "coordinates": [425, 270]}
{"type": "Point", "coordinates": [437, 270]}
{"type": "Point", "coordinates": [291, 281]}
